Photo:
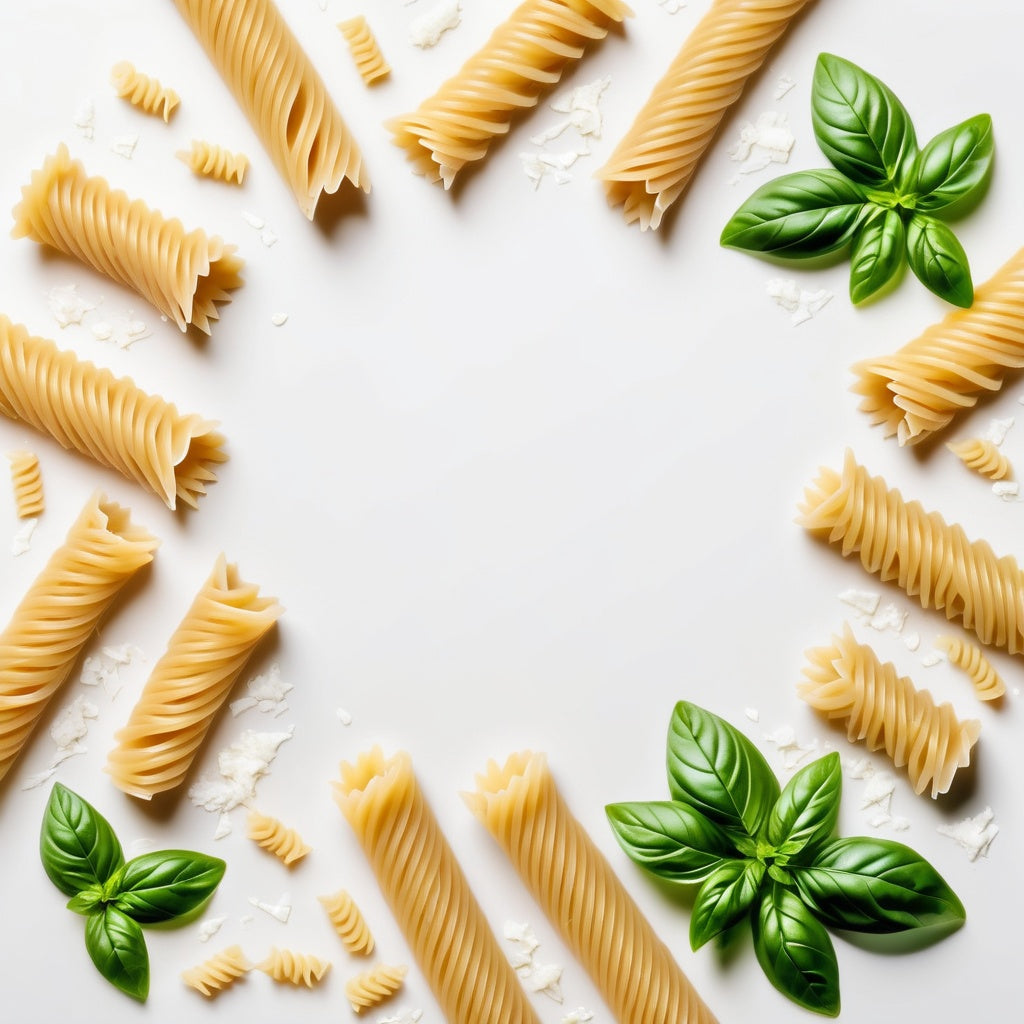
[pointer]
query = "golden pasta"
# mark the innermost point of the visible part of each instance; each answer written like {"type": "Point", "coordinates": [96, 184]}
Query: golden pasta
{"type": "Point", "coordinates": [284, 843]}
{"type": "Point", "coordinates": [988, 684]}
{"type": "Point", "coordinates": [370, 988]}
{"type": "Point", "coordinates": [428, 893]}
{"type": "Point", "coordinates": [348, 922]}
{"type": "Point", "coordinates": [362, 44]}
{"type": "Point", "coordinates": [581, 895]}
{"type": "Point", "coordinates": [184, 274]}
{"type": "Point", "coordinates": [654, 162]}
{"type": "Point", "coordinates": [61, 612]}
{"type": "Point", "coordinates": [222, 970]}
{"type": "Point", "coordinates": [291, 968]}
{"type": "Point", "coordinates": [108, 418]}
{"type": "Point", "coordinates": [143, 91]}
{"type": "Point", "coordinates": [277, 87]}
{"type": "Point", "coordinates": [983, 456]}
{"type": "Point", "coordinates": [190, 683]}
{"type": "Point", "coordinates": [524, 56]}
{"type": "Point", "coordinates": [27, 481]}
{"type": "Point", "coordinates": [212, 161]}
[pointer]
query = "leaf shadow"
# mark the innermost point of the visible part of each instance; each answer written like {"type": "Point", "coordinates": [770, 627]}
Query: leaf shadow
{"type": "Point", "coordinates": [899, 943]}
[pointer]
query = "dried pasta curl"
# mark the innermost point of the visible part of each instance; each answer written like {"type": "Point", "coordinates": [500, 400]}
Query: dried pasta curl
{"type": "Point", "coordinates": [348, 922]}
{"type": "Point", "coordinates": [290, 968]}
{"type": "Point", "coordinates": [143, 91]}
{"type": "Point", "coordinates": [212, 161]}
{"type": "Point", "coordinates": [362, 44]}
{"type": "Point", "coordinates": [222, 970]}
{"type": "Point", "coordinates": [983, 456]}
{"type": "Point", "coordinates": [28, 484]}
{"type": "Point", "coordinates": [284, 843]}
{"type": "Point", "coordinates": [988, 684]}
{"type": "Point", "coordinates": [370, 988]}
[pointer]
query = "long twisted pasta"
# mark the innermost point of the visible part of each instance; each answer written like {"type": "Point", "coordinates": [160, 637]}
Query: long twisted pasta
{"type": "Point", "coordinates": [61, 611]}
{"type": "Point", "coordinates": [884, 709]}
{"type": "Point", "coordinates": [370, 988]}
{"type": "Point", "coordinates": [927, 557]}
{"type": "Point", "coordinates": [183, 274]}
{"type": "Point", "coordinates": [983, 456]}
{"type": "Point", "coordinates": [142, 91]}
{"type": "Point", "coordinates": [213, 161]}
{"type": "Point", "coordinates": [577, 889]}
{"type": "Point", "coordinates": [362, 44]}
{"type": "Point", "coordinates": [525, 55]}
{"type": "Point", "coordinates": [291, 968]}
{"type": "Point", "coordinates": [190, 683]}
{"type": "Point", "coordinates": [284, 843]}
{"type": "Point", "coordinates": [988, 684]}
{"type": "Point", "coordinates": [348, 922]}
{"type": "Point", "coordinates": [285, 99]}
{"type": "Point", "coordinates": [222, 970]}
{"type": "Point", "coordinates": [654, 162]}
{"type": "Point", "coordinates": [28, 484]}
{"type": "Point", "coordinates": [428, 893]}
{"type": "Point", "coordinates": [920, 388]}
{"type": "Point", "coordinates": [105, 417]}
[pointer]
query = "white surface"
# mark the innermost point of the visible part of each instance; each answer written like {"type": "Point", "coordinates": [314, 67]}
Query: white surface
{"type": "Point", "coordinates": [521, 476]}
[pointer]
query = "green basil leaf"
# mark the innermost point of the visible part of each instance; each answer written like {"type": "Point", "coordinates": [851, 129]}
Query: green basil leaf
{"type": "Point", "coordinates": [795, 951]}
{"type": "Point", "coordinates": [876, 885]}
{"type": "Point", "coordinates": [77, 846]}
{"type": "Point", "coordinates": [879, 250]}
{"type": "Point", "coordinates": [799, 216]}
{"type": "Point", "coordinates": [168, 884]}
{"type": "Point", "coordinates": [954, 164]}
{"type": "Point", "coordinates": [860, 125]}
{"type": "Point", "coordinates": [118, 949]}
{"type": "Point", "coordinates": [938, 260]}
{"type": "Point", "coordinates": [728, 893]}
{"type": "Point", "coordinates": [806, 812]}
{"type": "Point", "coordinates": [87, 901]}
{"type": "Point", "coordinates": [715, 769]}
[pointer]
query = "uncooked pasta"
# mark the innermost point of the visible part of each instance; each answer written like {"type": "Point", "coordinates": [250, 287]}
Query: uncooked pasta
{"type": "Point", "coordinates": [222, 970]}
{"type": "Point", "coordinates": [108, 418]}
{"type": "Point", "coordinates": [27, 481]}
{"type": "Point", "coordinates": [362, 44]}
{"type": "Point", "coordinates": [143, 91]}
{"type": "Point", "coordinates": [845, 680]}
{"type": "Point", "coordinates": [988, 684]}
{"type": "Point", "coordinates": [291, 968]}
{"type": "Point", "coordinates": [277, 87]}
{"type": "Point", "coordinates": [190, 682]}
{"type": "Point", "coordinates": [61, 612]}
{"type": "Point", "coordinates": [654, 162]}
{"type": "Point", "coordinates": [581, 895]}
{"type": "Point", "coordinates": [428, 892]}
{"type": "Point", "coordinates": [284, 843]}
{"type": "Point", "coordinates": [373, 987]}
{"type": "Point", "coordinates": [209, 160]}
{"type": "Point", "coordinates": [983, 456]}
{"type": "Point", "coordinates": [526, 55]}
{"type": "Point", "coordinates": [348, 922]}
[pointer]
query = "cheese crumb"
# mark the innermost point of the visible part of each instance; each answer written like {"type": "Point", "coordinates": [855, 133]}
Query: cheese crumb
{"type": "Point", "coordinates": [124, 145]}
{"type": "Point", "coordinates": [412, 1017]}
{"type": "Point", "coordinates": [753, 714]}
{"type": "Point", "coordinates": [267, 693]}
{"type": "Point", "coordinates": [281, 910]}
{"type": "Point", "coordinates": [673, 7]}
{"type": "Point", "coordinates": [997, 430]}
{"type": "Point", "coordinates": [279, 319]}
{"type": "Point", "coordinates": [103, 669]}
{"type": "Point", "coordinates": [68, 730]}
{"type": "Point", "coordinates": [254, 221]}
{"type": "Point", "coordinates": [864, 601]}
{"type": "Point", "coordinates": [67, 306]}
{"type": "Point", "coordinates": [582, 105]}
{"type": "Point", "coordinates": [931, 659]}
{"type": "Point", "coordinates": [792, 751]}
{"type": "Point", "coordinates": [23, 538]}
{"type": "Point", "coordinates": [888, 617]}
{"type": "Point", "coordinates": [426, 30]}
{"type": "Point", "coordinates": [122, 329]}
{"type": "Point", "coordinates": [344, 716]}
{"type": "Point", "coordinates": [210, 927]}
{"type": "Point", "coordinates": [782, 86]}
{"type": "Point", "coordinates": [767, 141]}
{"type": "Point", "coordinates": [538, 165]}
{"type": "Point", "coordinates": [544, 978]}
{"type": "Point", "coordinates": [912, 641]}
{"type": "Point", "coordinates": [975, 834]}
{"type": "Point", "coordinates": [85, 119]}
{"type": "Point", "coordinates": [801, 304]}
{"type": "Point", "coordinates": [1006, 489]}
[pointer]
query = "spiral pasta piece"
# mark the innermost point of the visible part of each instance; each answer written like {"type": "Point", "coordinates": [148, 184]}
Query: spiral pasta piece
{"type": "Point", "coordinates": [428, 892]}
{"type": "Point", "coordinates": [653, 163]}
{"type": "Point", "coordinates": [581, 895]}
{"type": "Point", "coordinates": [28, 484]}
{"type": "Point", "coordinates": [988, 684]}
{"type": "Point", "coordinates": [143, 91]}
{"type": "Point", "coordinates": [290, 968]}
{"type": "Point", "coordinates": [277, 87]}
{"type": "Point", "coordinates": [348, 922]}
{"type": "Point", "coordinates": [881, 708]}
{"type": "Point", "coordinates": [212, 161]}
{"type": "Point", "coordinates": [524, 56]}
{"type": "Point", "coordinates": [61, 612]}
{"type": "Point", "coordinates": [983, 456]}
{"type": "Point", "coordinates": [927, 557]}
{"type": "Point", "coordinates": [108, 418]}
{"type": "Point", "coordinates": [918, 390]}
{"type": "Point", "coordinates": [222, 970]}
{"type": "Point", "coordinates": [370, 988]}
{"type": "Point", "coordinates": [190, 683]}
{"type": "Point", "coordinates": [284, 843]}
{"type": "Point", "coordinates": [362, 44]}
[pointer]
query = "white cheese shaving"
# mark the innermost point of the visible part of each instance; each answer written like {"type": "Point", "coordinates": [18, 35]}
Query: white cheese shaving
{"type": "Point", "coordinates": [68, 730]}
{"type": "Point", "coordinates": [22, 540]}
{"type": "Point", "coordinates": [888, 617]}
{"type": "Point", "coordinates": [523, 936]}
{"type": "Point", "coordinates": [267, 237]}
{"type": "Point", "coordinates": [103, 669]}
{"type": "Point", "coordinates": [253, 220]}
{"type": "Point", "coordinates": [801, 304]}
{"type": "Point", "coordinates": [267, 694]}
{"type": "Point", "coordinates": [862, 768]}
{"type": "Point", "coordinates": [577, 1016]}
{"type": "Point", "coordinates": [912, 641]}
{"type": "Point", "coordinates": [210, 927]}
{"type": "Point", "coordinates": [1006, 489]}
{"type": "Point", "coordinates": [281, 910]}
{"type": "Point", "coordinates": [413, 1016]}
{"type": "Point", "coordinates": [279, 319]}
{"type": "Point", "coordinates": [782, 86]}
{"type": "Point", "coordinates": [864, 601]}
{"type": "Point", "coordinates": [998, 429]}
{"type": "Point", "coordinates": [753, 714]}
{"type": "Point", "coordinates": [900, 824]}
{"type": "Point", "coordinates": [67, 306]}
{"type": "Point", "coordinates": [122, 329]}
{"type": "Point", "coordinates": [85, 119]}
{"type": "Point", "coordinates": [537, 166]}
{"type": "Point", "coordinates": [792, 751]}
{"type": "Point", "coordinates": [931, 659]}
{"type": "Point", "coordinates": [582, 105]}
{"type": "Point", "coordinates": [223, 829]}
{"type": "Point", "coordinates": [767, 141]}
{"type": "Point", "coordinates": [975, 834]}
{"type": "Point", "coordinates": [544, 978]}
{"type": "Point", "coordinates": [878, 791]}
{"type": "Point", "coordinates": [345, 717]}
{"type": "Point", "coordinates": [673, 7]}
{"type": "Point", "coordinates": [240, 766]}
{"type": "Point", "coordinates": [124, 145]}
{"type": "Point", "coordinates": [426, 30]}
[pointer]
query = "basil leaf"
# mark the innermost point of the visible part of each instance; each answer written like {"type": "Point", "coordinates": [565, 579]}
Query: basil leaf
{"type": "Point", "coordinates": [118, 950]}
{"type": "Point", "coordinates": [87, 901]}
{"type": "Point", "coordinates": [726, 896]}
{"type": "Point", "coordinates": [799, 216]}
{"type": "Point", "coordinates": [806, 813]}
{"type": "Point", "coordinates": [860, 125]}
{"type": "Point", "coordinates": [168, 884]}
{"type": "Point", "coordinates": [795, 951]}
{"type": "Point", "coordinates": [878, 253]}
{"type": "Point", "coordinates": [938, 260]}
{"type": "Point", "coordinates": [876, 885]}
{"type": "Point", "coordinates": [954, 164]}
{"type": "Point", "coordinates": [77, 846]}
{"type": "Point", "coordinates": [715, 769]}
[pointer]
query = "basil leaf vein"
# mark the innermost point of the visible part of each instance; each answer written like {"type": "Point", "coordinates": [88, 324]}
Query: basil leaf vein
{"type": "Point", "coordinates": [879, 250]}
{"type": "Point", "coordinates": [724, 899]}
{"type": "Point", "coordinates": [77, 846]}
{"type": "Point", "coordinates": [807, 810]}
{"type": "Point", "coordinates": [118, 949]}
{"type": "Point", "coordinates": [955, 164]}
{"type": "Point", "coordinates": [167, 884]}
{"type": "Point", "coordinates": [938, 260]}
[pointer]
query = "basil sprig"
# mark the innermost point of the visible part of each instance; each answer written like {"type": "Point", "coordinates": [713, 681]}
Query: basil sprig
{"type": "Point", "coordinates": [768, 855]}
{"type": "Point", "coordinates": [81, 855]}
{"type": "Point", "coordinates": [883, 196]}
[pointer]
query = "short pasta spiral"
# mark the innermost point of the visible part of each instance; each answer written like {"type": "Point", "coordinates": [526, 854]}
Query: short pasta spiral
{"type": "Point", "coordinates": [284, 843]}
{"type": "Point", "coordinates": [28, 484]}
{"type": "Point", "coordinates": [884, 709]}
{"type": "Point", "coordinates": [348, 922]}
{"type": "Point", "coordinates": [212, 161]}
{"type": "Point", "coordinates": [988, 684]}
{"type": "Point", "coordinates": [525, 55]}
{"type": "Point", "coordinates": [183, 274]}
{"type": "Point", "coordinates": [983, 456]}
{"type": "Point", "coordinates": [654, 162]}
{"type": "Point", "coordinates": [290, 968]}
{"type": "Point", "coordinates": [222, 970]}
{"type": "Point", "coordinates": [370, 988]}
{"type": "Point", "coordinates": [362, 44]}
{"type": "Point", "coordinates": [581, 895]}
{"type": "Point", "coordinates": [143, 91]}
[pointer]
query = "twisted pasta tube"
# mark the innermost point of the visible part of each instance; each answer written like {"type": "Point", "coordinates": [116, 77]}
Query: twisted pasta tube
{"type": "Point", "coordinates": [60, 613]}
{"type": "Point", "coordinates": [190, 683]}
{"type": "Point", "coordinates": [370, 988]}
{"type": "Point", "coordinates": [284, 843]}
{"type": "Point", "coordinates": [105, 417]}
{"type": "Point", "coordinates": [654, 162]}
{"type": "Point", "coordinates": [983, 456]}
{"type": "Point", "coordinates": [183, 274]}
{"type": "Point", "coordinates": [222, 970]}
{"type": "Point", "coordinates": [348, 922]}
{"type": "Point", "coordinates": [277, 87]}
{"type": "Point", "coordinates": [213, 161]}
{"type": "Point", "coordinates": [362, 44]}
{"type": "Point", "coordinates": [524, 56]}
{"type": "Point", "coordinates": [581, 895]}
{"type": "Point", "coordinates": [428, 893]}
{"type": "Point", "coordinates": [884, 709]}
{"type": "Point", "coordinates": [28, 484]}
{"type": "Point", "coordinates": [142, 91]}
{"type": "Point", "coordinates": [291, 968]}
{"type": "Point", "coordinates": [988, 684]}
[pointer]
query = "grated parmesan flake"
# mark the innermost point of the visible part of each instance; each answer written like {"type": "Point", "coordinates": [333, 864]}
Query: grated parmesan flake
{"type": "Point", "coordinates": [802, 305]}
{"type": "Point", "coordinates": [975, 834]}
{"type": "Point", "coordinates": [793, 752]}
{"type": "Point", "coordinates": [888, 617]}
{"type": "Point", "coordinates": [84, 119]}
{"type": "Point", "coordinates": [210, 927]}
{"type": "Point", "coordinates": [267, 693]}
{"type": "Point", "coordinates": [538, 165]}
{"type": "Point", "coordinates": [426, 30]}
{"type": "Point", "coordinates": [673, 7]}
{"type": "Point", "coordinates": [22, 540]}
{"type": "Point", "coordinates": [345, 717]}
{"type": "Point", "coordinates": [67, 306]}
{"type": "Point", "coordinates": [577, 1016]}
{"type": "Point", "coordinates": [68, 730]}
{"type": "Point", "coordinates": [997, 430]}
{"type": "Point", "coordinates": [582, 109]}
{"type": "Point", "coordinates": [767, 141]}
{"type": "Point", "coordinates": [281, 910]}
{"type": "Point", "coordinates": [411, 1017]}
{"type": "Point", "coordinates": [124, 145]}
{"type": "Point", "coordinates": [864, 601]}
{"type": "Point", "coordinates": [783, 86]}
{"type": "Point", "coordinates": [122, 329]}
{"type": "Point", "coordinates": [1006, 489]}
{"type": "Point", "coordinates": [103, 669]}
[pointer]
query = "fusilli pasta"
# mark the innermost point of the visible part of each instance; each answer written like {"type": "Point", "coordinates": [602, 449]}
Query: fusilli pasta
{"type": "Point", "coordinates": [142, 91]}
{"type": "Point", "coordinates": [213, 161]}
{"type": "Point", "coordinates": [370, 988]}
{"type": "Point", "coordinates": [222, 970]}
{"type": "Point", "coordinates": [348, 922]}
{"type": "Point", "coordinates": [284, 843]}
{"type": "Point", "coordinates": [983, 456]}
{"type": "Point", "coordinates": [291, 968]}
{"type": "Point", "coordinates": [362, 44]}
{"type": "Point", "coordinates": [27, 481]}
{"type": "Point", "coordinates": [988, 684]}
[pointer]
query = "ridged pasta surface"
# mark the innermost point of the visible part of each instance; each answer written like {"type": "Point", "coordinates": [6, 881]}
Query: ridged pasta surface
{"type": "Point", "coordinates": [190, 683]}
{"type": "Point", "coordinates": [60, 613]}
{"type": "Point", "coordinates": [291, 968]}
{"type": "Point", "coordinates": [654, 162]}
{"type": "Point", "coordinates": [581, 895]}
{"type": "Point", "coordinates": [983, 456]}
{"type": "Point", "coordinates": [526, 55]}
{"type": "Point", "coordinates": [184, 274]}
{"type": "Point", "coordinates": [348, 922]}
{"type": "Point", "coordinates": [222, 970]}
{"type": "Point", "coordinates": [27, 481]}
{"type": "Point", "coordinates": [284, 843]}
{"type": "Point", "coordinates": [428, 892]}
{"type": "Point", "coordinates": [970, 658]}
{"type": "Point", "coordinates": [373, 987]}
{"type": "Point", "coordinates": [363, 46]}
{"type": "Point", "coordinates": [277, 87]}
{"type": "Point", "coordinates": [212, 161]}
{"type": "Point", "coordinates": [143, 91]}
{"type": "Point", "coordinates": [883, 709]}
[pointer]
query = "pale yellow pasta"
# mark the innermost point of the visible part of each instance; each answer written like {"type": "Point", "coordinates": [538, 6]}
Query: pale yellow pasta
{"type": "Point", "coordinates": [988, 684]}
{"type": "Point", "coordinates": [28, 483]}
{"type": "Point", "coordinates": [284, 843]}
{"type": "Point", "coordinates": [526, 55]}
{"type": "Point", "coordinates": [927, 557]}
{"type": "Point", "coordinates": [143, 91]}
{"type": "Point", "coordinates": [222, 970]}
{"type": "Point", "coordinates": [277, 87]}
{"type": "Point", "coordinates": [581, 895]}
{"type": "Point", "coordinates": [61, 612]}
{"type": "Point", "coordinates": [184, 274]}
{"type": "Point", "coordinates": [918, 390]}
{"type": "Point", "coordinates": [348, 922]}
{"type": "Point", "coordinates": [291, 968]}
{"type": "Point", "coordinates": [883, 709]}
{"type": "Point", "coordinates": [654, 162]}
{"type": "Point", "coordinates": [190, 683]}
{"type": "Point", "coordinates": [108, 418]}
{"type": "Point", "coordinates": [373, 987]}
{"type": "Point", "coordinates": [362, 44]}
{"type": "Point", "coordinates": [983, 456]}
{"type": "Point", "coordinates": [428, 893]}
{"type": "Point", "coordinates": [212, 161]}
